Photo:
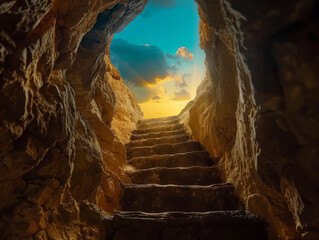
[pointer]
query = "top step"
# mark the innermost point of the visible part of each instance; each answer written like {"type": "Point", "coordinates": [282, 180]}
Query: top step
{"type": "Point", "coordinates": [162, 120]}
{"type": "Point", "coordinates": [157, 123]}
{"type": "Point", "coordinates": [159, 128]}
{"type": "Point", "coordinates": [157, 134]}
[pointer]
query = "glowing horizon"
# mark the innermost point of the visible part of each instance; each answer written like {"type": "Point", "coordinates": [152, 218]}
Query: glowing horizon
{"type": "Point", "coordinates": [156, 109]}
{"type": "Point", "coordinates": [159, 58]}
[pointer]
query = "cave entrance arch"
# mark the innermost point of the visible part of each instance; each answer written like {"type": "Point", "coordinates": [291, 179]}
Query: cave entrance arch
{"type": "Point", "coordinates": [57, 107]}
{"type": "Point", "coordinates": [159, 57]}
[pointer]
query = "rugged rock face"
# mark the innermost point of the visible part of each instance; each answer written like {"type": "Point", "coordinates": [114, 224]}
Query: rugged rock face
{"type": "Point", "coordinates": [127, 111]}
{"type": "Point", "coordinates": [267, 139]}
{"type": "Point", "coordinates": [59, 156]}
{"type": "Point", "coordinates": [63, 105]}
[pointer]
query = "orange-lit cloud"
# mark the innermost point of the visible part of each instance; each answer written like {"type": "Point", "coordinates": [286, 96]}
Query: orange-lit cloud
{"type": "Point", "coordinates": [184, 53]}
{"type": "Point", "coordinates": [163, 89]}
{"type": "Point", "coordinates": [180, 81]}
{"type": "Point", "coordinates": [168, 97]}
{"type": "Point", "coordinates": [181, 95]}
{"type": "Point", "coordinates": [150, 92]}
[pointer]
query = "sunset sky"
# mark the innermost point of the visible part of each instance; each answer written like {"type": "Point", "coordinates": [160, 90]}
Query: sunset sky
{"type": "Point", "coordinates": [159, 58]}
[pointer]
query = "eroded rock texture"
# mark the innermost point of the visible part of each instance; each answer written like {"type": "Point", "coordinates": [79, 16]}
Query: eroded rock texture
{"type": "Point", "coordinates": [66, 114]}
{"type": "Point", "coordinates": [60, 158]}
{"type": "Point", "coordinates": [267, 139]}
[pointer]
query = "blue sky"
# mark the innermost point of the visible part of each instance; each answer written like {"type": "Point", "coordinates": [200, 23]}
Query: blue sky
{"type": "Point", "coordinates": [158, 53]}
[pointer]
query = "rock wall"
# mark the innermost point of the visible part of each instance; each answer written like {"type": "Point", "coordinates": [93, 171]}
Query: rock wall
{"type": "Point", "coordinates": [257, 109]}
{"type": "Point", "coordinates": [127, 111]}
{"type": "Point", "coordinates": [66, 114]}
{"type": "Point", "coordinates": [60, 158]}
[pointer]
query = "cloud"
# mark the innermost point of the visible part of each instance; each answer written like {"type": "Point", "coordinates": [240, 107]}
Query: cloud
{"type": "Point", "coordinates": [156, 98]}
{"type": "Point", "coordinates": [181, 95]}
{"type": "Point", "coordinates": [171, 56]}
{"type": "Point", "coordinates": [174, 68]}
{"type": "Point", "coordinates": [161, 90]}
{"type": "Point", "coordinates": [140, 65]}
{"type": "Point", "coordinates": [180, 81]}
{"type": "Point", "coordinates": [146, 72]}
{"type": "Point", "coordinates": [184, 53]}
{"type": "Point", "coordinates": [151, 92]}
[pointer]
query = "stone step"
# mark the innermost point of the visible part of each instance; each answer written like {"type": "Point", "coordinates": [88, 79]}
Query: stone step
{"type": "Point", "coordinates": [178, 176]}
{"type": "Point", "coordinates": [159, 123]}
{"type": "Point", "coordinates": [160, 149]}
{"type": "Point", "coordinates": [153, 141]}
{"type": "Point", "coordinates": [162, 198]}
{"type": "Point", "coordinates": [157, 134]}
{"type": "Point", "coordinates": [155, 120]}
{"type": "Point", "coordinates": [195, 158]}
{"type": "Point", "coordinates": [217, 225]}
{"type": "Point", "coordinates": [159, 128]}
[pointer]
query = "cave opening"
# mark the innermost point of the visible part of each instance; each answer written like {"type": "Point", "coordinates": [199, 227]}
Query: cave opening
{"type": "Point", "coordinates": [70, 128]}
{"type": "Point", "coordinates": [159, 57]}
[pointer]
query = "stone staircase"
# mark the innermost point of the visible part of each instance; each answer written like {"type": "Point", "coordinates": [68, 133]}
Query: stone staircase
{"type": "Point", "coordinates": [176, 191]}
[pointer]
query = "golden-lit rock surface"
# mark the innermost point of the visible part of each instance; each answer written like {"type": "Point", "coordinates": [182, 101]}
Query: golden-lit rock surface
{"type": "Point", "coordinates": [65, 114]}
{"type": "Point", "coordinates": [267, 136]}
{"type": "Point", "coordinates": [127, 111]}
{"type": "Point", "coordinates": [60, 158]}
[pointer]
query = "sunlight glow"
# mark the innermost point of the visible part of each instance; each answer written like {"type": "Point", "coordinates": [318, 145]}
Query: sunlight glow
{"type": "Point", "coordinates": [162, 108]}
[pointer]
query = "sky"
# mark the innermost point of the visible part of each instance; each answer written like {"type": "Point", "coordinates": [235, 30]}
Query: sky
{"type": "Point", "coordinates": [159, 58]}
